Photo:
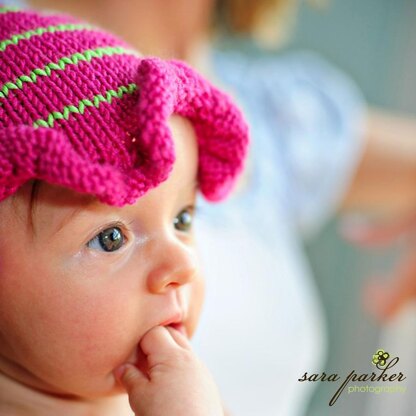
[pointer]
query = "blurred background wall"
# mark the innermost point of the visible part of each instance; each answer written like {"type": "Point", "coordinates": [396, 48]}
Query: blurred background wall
{"type": "Point", "coordinates": [374, 41]}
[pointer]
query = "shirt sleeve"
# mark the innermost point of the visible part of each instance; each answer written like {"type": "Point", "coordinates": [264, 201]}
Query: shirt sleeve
{"type": "Point", "coordinates": [318, 116]}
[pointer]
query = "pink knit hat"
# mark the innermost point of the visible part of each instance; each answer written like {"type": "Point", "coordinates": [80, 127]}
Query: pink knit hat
{"type": "Point", "coordinates": [80, 108]}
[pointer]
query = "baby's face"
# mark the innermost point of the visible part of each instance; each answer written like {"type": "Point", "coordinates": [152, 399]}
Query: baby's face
{"type": "Point", "coordinates": [77, 296]}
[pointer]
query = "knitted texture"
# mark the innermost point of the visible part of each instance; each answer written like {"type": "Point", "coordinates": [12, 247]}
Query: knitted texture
{"type": "Point", "coordinates": [82, 109]}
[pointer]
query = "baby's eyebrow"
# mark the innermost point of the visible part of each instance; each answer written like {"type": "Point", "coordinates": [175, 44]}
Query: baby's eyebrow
{"type": "Point", "coordinates": [74, 214]}
{"type": "Point", "coordinates": [193, 185]}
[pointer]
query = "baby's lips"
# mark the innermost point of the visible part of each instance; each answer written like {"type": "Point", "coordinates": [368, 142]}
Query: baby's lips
{"type": "Point", "coordinates": [176, 322]}
{"type": "Point", "coordinates": [179, 327]}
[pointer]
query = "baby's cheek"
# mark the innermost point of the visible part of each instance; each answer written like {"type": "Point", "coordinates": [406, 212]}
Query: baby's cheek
{"type": "Point", "coordinates": [90, 341]}
{"type": "Point", "coordinates": [85, 332]}
{"type": "Point", "coordinates": [68, 337]}
{"type": "Point", "coordinates": [99, 330]}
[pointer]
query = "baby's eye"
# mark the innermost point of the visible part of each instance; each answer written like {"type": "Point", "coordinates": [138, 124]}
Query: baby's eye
{"type": "Point", "coordinates": [111, 239]}
{"type": "Point", "coordinates": [183, 220]}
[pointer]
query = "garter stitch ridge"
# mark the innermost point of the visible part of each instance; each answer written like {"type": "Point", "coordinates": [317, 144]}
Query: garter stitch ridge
{"type": "Point", "coordinates": [82, 109]}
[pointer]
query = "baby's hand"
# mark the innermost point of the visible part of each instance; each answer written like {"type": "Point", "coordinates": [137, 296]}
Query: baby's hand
{"type": "Point", "coordinates": [177, 384]}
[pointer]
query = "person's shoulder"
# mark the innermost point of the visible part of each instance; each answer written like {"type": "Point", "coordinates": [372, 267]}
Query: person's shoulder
{"type": "Point", "coordinates": [296, 72]}
{"type": "Point", "coordinates": [259, 59]}
{"type": "Point", "coordinates": [231, 65]}
{"type": "Point", "coordinates": [295, 66]}
{"type": "Point", "coordinates": [262, 69]}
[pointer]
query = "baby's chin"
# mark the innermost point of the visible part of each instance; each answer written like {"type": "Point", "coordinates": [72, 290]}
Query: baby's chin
{"type": "Point", "coordinates": [31, 385]}
{"type": "Point", "coordinates": [77, 387]}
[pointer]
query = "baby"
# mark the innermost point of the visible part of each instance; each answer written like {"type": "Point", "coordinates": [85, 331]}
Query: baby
{"type": "Point", "coordinates": [95, 138]}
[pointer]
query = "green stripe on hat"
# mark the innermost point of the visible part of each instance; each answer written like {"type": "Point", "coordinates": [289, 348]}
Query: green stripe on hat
{"type": "Point", "coordinates": [79, 108]}
{"type": "Point", "coordinates": [46, 71]}
{"type": "Point", "coordinates": [15, 39]}
{"type": "Point", "coordinates": [4, 10]}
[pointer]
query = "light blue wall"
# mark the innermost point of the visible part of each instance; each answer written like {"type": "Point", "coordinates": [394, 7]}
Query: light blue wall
{"type": "Point", "coordinates": [373, 40]}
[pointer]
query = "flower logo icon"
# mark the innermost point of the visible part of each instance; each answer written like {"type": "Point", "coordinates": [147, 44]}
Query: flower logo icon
{"type": "Point", "coordinates": [380, 358]}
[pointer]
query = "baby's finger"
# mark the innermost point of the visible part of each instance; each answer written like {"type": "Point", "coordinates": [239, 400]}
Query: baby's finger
{"type": "Point", "coordinates": [135, 383]}
{"type": "Point", "coordinates": [130, 377]}
{"type": "Point", "coordinates": [157, 344]}
{"type": "Point", "coordinates": [179, 338]}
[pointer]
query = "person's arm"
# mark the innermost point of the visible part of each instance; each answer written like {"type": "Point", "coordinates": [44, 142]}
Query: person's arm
{"type": "Point", "coordinates": [384, 298]}
{"type": "Point", "coordinates": [385, 181]}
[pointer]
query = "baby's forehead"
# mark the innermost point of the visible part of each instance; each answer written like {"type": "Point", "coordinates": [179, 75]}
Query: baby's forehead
{"type": "Point", "coordinates": [39, 200]}
{"type": "Point", "coordinates": [36, 194]}
{"type": "Point", "coordinates": [60, 196]}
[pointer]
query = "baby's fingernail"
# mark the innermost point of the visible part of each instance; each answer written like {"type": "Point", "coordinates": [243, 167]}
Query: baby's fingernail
{"type": "Point", "coordinates": [119, 372]}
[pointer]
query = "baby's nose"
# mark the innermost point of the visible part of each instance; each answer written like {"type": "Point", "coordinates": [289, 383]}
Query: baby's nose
{"type": "Point", "coordinates": [176, 265]}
